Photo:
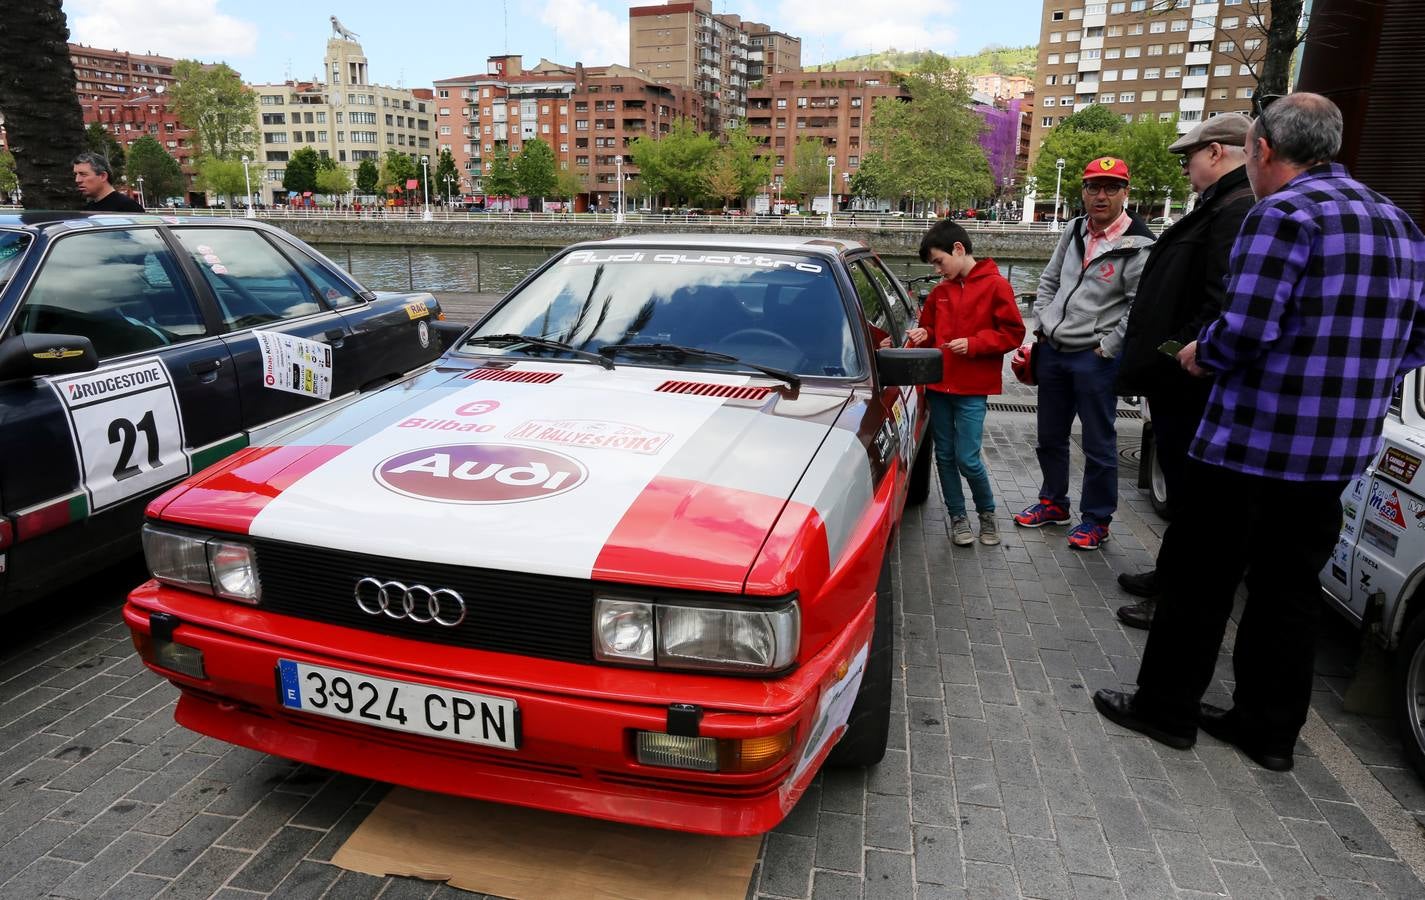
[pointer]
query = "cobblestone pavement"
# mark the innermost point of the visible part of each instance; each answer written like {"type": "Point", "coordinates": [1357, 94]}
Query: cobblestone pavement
{"type": "Point", "coordinates": [1001, 780]}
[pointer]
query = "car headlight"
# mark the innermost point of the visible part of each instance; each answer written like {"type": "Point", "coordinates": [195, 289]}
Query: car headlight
{"type": "Point", "coordinates": [717, 638]}
{"type": "Point", "coordinates": [224, 568]}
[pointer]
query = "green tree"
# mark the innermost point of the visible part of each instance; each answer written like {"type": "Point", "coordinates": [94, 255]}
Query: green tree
{"type": "Point", "coordinates": [1078, 141]}
{"type": "Point", "coordinates": [8, 181]}
{"type": "Point", "coordinates": [569, 183]}
{"type": "Point", "coordinates": [501, 180]}
{"type": "Point", "coordinates": [334, 181]}
{"type": "Point", "coordinates": [534, 169]}
{"type": "Point", "coordinates": [722, 178]}
{"type": "Point", "coordinates": [43, 123]}
{"type": "Point", "coordinates": [161, 174]}
{"type": "Point", "coordinates": [301, 174]}
{"type": "Point", "coordinates": [677, 164]}
{"type": "Point", "coordinates": [325, 163]}
{"type": "Point", "coordinates": [805, 176]}
{"type": "Point", "coordinates": [221, 110]}
{"type": "Point", "coordinates": [368, 176]}
{"type": "Point", "coordinates": [1156, 172]}
{"type": "Point", "coordinates": [396, 169]}
{"type": "Point", "coordinates": [445, 169]}
{"type": "Point", "coordinates": [751, 169]}
{"type": "Point", "coordinates": [223, 177]}
{"type": "Point", "coordinates": [98, 139]}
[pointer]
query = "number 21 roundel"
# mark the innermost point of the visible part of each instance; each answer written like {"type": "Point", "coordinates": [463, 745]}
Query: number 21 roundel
{"type": "Point", "coordinates": [126, 428]}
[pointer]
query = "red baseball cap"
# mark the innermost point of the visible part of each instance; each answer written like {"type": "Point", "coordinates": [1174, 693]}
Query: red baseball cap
{"type": "Point", "coordinates": [1107, 167]}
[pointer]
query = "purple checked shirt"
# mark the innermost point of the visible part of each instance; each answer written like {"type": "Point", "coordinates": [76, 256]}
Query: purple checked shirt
{"type": "Point", "coordinates": [1325, 312]}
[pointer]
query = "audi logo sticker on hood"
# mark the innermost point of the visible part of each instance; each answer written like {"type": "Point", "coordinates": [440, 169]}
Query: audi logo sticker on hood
{"type": "Point", "coordinates": [480, 473]}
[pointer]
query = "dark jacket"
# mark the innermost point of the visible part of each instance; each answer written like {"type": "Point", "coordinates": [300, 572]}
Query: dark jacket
{"type": "Point", "coordinates": [1183, 287]}
{"type": "Point", "coordinates": [114, 202]}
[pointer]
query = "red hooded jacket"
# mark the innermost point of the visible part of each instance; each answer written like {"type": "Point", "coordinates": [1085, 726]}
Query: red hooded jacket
{"type": "Point", "coordinates": [980, 307]}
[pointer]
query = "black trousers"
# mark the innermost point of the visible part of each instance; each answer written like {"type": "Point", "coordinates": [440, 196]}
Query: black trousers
{"type": "Point", "coordinates": [1278, 534]}
{"type": "Point", "coordinates": [1176, 415]}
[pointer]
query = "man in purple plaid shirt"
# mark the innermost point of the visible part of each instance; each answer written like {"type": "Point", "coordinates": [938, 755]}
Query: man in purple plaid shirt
{"type": "Point", "coordinates": [1325, 313]}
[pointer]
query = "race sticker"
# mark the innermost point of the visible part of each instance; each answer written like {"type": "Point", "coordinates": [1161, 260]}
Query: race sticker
{"type": "Point", "coordinates": [1384, 505]}
{"type": "Point", "coordinates": [126, 428]}
{"type": "Point", "coordinates": [416, 309]}
{"type": "Point", "coordinates": [833, 711]}
{"type": "Point", "coordinates": [1379, 538]}
{"type": "Point", "coordinates": [295, 365]}
{"type": "Point", "coordinates": [740, 260]}
{"type": "Point", "coordinates": [423, 334]}
{"type": "Point", "coordinates": [592, 433]}
{"type": "Point", "coordinates": [1399, 465]}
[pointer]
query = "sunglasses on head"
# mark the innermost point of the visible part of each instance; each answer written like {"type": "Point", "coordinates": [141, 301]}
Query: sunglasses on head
{"type": "Point", "coordinates": [1260, 102]}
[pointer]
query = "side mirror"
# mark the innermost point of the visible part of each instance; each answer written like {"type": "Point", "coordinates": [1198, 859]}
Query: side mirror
{"type": "Point", "coordinates": [449, 332]}
{"type": "Point", "coordinates": [909, 365]}
{"type": "Point", "coordinates": [38, 355]}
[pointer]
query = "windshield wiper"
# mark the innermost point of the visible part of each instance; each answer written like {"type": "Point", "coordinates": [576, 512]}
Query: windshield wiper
{"type": "Point", "coordinates": [543, 343]}
{"type": "Point", "coordinates": [679, 351]}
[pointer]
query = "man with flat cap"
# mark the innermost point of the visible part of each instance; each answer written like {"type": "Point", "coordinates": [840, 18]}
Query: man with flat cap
{"type": "Point", "coordinates": [1183, 287]}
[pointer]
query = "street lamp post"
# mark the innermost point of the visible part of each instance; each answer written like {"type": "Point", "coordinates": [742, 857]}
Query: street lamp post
{"type": "Point", "coordinates": [618, 176]}
{"type": "Point", "coordinates": [247, 180]}
{"type": "Point", "coordinates": [425, 188]}
{"type": "Point", "coordinates": [830, 164]}
{"type": "Point", "coordinates": [846, 188]}
{"type": "Point", "coordinates": [1167, 201]}
{"type": "Point", "coordinates": [141, 200]}
{"type": "Point", "coordinates": [1058, 179]}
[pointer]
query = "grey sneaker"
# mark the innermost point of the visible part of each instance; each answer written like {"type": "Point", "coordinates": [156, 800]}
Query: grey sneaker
{"type": "Point", "coordinates": [989, 533]}
{"type": "Point", "coordinates": [960, 531]}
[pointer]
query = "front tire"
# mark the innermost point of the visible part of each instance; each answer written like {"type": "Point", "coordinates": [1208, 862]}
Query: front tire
{"type": "Point", "coordinates": [1409, 684]}
{"type": "Point", "coordinates": [868, 728]}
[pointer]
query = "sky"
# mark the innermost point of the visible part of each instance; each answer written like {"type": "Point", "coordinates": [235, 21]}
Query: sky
{"type": "Point", "coordinates": [270, 41]}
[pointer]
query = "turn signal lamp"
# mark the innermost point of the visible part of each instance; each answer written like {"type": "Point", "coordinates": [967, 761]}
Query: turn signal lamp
{"type": "Point", "coordinates": [705, 754]}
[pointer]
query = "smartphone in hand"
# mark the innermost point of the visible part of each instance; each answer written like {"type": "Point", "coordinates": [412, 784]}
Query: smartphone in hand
{"type": "Point", "coordinates": [1170, 348]}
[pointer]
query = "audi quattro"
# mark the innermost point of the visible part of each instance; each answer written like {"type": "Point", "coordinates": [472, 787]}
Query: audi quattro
{"type": "Point", "coordinates": [624, 552]}
{"type": "Point", "coordinates": [135, 350]}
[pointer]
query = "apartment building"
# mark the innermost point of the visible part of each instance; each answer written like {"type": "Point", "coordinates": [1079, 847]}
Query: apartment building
{"type": "Point", "coordinates": [588, 115]}
{"type": "Point", "coordinates": [687, 44]}
{"type": "Point", "coordinates": [130, 117]}
{"type": "Point", "coordinates": [1146, 58]}
{"type": "Point", "coordinates": [341, 115]}
{"type": "Point", "coordinates": [118, 73]}
{"type": "Point", "coordinates": [832, 107]}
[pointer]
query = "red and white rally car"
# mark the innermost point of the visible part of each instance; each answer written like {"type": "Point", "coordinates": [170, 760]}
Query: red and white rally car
{"type": "Point", "coordinates": [625, 552]}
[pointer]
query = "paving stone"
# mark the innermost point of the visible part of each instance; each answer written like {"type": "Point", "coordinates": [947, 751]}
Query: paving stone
{"type": "Point", "coordinates": [804, 816]}
{"type": "Point", "coordinates": [1248, 882]}
{"type": "Point", "coordinates": [989, 881]}
{"type": "Point", "coordinates": [359, 886]}
{"type": "Point", "coordinates": [984, 834]}
{"type": "Point", "coordinates": [1082, 844]}
{"type": "Point", "coordinates": [1040, 868]}
{"type": "Point", "coordinates": [136, 887]}
{"type": "Point", "coordinates": [108, 866]}
{"type": "Point", "coordinates": [254, 830]}
{"type": "Point", "coordinates": [1187, 861]}
{"type": "Point", "coordinates": [835, 886]}
{"type": "Point", "coordinates": [38, 878]}
{"type": "Point", "coordinates": [271, 864]}
{"type": "Point", "coordinates": [975, 782]}
{"type": "Point", "coordinates": [1026, 811]}
{"type": "Point", "coordinates": [787, 861]}
{"type": "Point", "coordinates": [843, 790]}
{"type": "Point", "coordinates": [932, 800]}
{"type": "Point", "coordinates": [186, 845]}
{"type": "Point", "coordinates": [937, 855]}
{"type": "Point", "coordinates": [888, 874]}
{"type": "Point", "coordinates": [1088, 887]}
{"type": "Point", "coordinates": [1222, 837]}
{"type": "Point", "coordinates": [1161, 804]}
{"type": "Point", "coordinates": [1354, 829]}
{"type": "Point", "coordinates": [1141, 874]}
{"type": "Point", "coordinates": [840, 842]}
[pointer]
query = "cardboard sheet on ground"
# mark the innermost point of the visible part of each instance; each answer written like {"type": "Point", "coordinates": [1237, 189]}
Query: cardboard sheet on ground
{"type": "Point", "coordinates": [524, 854]}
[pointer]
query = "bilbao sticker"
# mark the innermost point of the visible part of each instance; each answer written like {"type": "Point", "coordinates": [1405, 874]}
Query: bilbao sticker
{"type": "Point", "coordinates": [480, 473]}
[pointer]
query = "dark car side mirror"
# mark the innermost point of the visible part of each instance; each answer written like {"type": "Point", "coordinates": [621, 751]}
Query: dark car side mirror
{"type": "Point", "coordinates": [909, 365]}
{"type": "Point", "coordinates": [38, 355]}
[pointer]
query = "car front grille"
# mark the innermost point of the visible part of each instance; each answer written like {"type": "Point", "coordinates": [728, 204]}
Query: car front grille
{"type": "Point", "coordinates": [507, 612]}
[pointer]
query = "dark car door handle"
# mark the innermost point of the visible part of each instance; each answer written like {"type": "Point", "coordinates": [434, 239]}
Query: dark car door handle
{"type": "Point", "coordinates": [206, 369]}
{"type": "Point", "coordinates": [335, 337]}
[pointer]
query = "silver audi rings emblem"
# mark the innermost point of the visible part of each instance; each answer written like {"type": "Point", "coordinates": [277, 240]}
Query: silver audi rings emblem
{"type": "Point", "coordinates": [415, 602]}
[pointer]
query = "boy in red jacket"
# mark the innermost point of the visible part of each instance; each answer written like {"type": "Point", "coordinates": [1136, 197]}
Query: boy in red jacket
{"type": "Point", "coordinates": [973, 318]}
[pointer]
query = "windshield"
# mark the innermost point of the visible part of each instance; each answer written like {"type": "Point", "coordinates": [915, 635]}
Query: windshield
{"type": "Point", "coordinates": [770, 309]}
{"type": "Point", "coordinates": [12, 249]}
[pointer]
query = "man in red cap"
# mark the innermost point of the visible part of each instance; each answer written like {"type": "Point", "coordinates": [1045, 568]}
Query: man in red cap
{"type": "Point", "coordinates": [1079, 320]}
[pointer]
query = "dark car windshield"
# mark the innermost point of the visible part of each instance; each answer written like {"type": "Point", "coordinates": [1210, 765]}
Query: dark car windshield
{"type": "Point", "coordinates": [12, 249]}
{"type": "Point", "coordinates": [775, 310]}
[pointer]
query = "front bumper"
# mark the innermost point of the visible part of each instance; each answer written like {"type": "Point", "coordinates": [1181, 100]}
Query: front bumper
{"type": "Point", "coordinates": [578, 722]}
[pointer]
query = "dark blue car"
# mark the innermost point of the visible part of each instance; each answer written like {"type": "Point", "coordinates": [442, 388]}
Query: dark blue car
{"type": "Point", "coordinates": [138, 349]}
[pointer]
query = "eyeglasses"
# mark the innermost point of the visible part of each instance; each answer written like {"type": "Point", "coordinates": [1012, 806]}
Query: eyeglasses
{"type": "Point", "coordinates": [1107, 188]}
{"type": "Point", "coordinates": [1186, 156]}
{"type": "Point", "coordinates": [1260, 102]}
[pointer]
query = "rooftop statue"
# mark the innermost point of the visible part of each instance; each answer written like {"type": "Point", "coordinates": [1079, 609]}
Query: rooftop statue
{"type": "Point", "coordinates": [341, 31]}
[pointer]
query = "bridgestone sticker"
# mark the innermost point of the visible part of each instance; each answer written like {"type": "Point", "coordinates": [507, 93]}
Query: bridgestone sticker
{"type": "Point", "coordinates": [295, 365]}
{"type": "Point", "coordinates": [126, 428]}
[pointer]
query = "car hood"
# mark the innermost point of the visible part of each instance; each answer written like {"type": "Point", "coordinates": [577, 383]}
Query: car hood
{"type": "Point", "coordinates": [637, 474]}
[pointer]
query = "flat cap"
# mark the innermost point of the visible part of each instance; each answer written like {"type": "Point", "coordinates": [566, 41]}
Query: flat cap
{"type": "Point", "coordinates": [1228, 129]}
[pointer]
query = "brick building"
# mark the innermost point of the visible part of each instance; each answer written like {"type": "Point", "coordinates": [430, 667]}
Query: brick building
{"type": "Point", "coordinates": [1140, 60]}
{"type": "Point", "coordinates": [132, 116]}
{"type": "Point", "coordinates": [117, 73]}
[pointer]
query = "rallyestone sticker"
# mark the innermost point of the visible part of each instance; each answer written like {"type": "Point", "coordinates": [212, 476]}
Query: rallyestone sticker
{"type": "Point", "coordinates": [295, 365]}
{"type": "Point", "coordinates": [126, 428]}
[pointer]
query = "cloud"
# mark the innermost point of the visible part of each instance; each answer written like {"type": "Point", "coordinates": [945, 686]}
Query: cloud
{"type": "Point", "coordinates": [179, 28]}
{"type": "Point", "coordinates": [832, 30]}
{"type": "Point", "coordinates": [588, 31]}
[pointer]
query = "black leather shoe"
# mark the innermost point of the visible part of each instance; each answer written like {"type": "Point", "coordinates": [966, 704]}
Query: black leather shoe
{"type": "Point", "coordinates": [1223, 725]}
{"type": "Point", "coordinates": [1138, 615]}
{"type": "Point", "coordinates": [1117, 707]}
{"type": "Point", "coordinates": [1144, 584]}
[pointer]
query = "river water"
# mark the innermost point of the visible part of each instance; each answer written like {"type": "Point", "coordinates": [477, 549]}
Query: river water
{"type": "Point", "coordinates": [497, 269]}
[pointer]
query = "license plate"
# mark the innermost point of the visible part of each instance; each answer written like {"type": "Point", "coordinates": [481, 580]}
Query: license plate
{"type": "Point", "coordinates": [399, 705]}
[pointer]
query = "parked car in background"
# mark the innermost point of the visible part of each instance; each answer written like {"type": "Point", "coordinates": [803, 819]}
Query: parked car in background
{"type": "Point", "coordinates": [624, 552]}
{"type": "Point", "coordinates": [138, 349]}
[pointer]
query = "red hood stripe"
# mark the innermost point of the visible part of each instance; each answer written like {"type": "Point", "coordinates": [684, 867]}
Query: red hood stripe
{"type": "Point", "coordinates": [232, 495]}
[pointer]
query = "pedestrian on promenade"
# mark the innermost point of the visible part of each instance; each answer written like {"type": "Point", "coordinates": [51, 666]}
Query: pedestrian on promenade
{"type": "Point", "coordinates": [1079, 318]}
{"type": "Point", "coordinates": [1183, 287]}
{"type": "Point", "coordinates": [973, 318]}
{"type": "Point", "coordinates": [91, 177]}
{"type": "Point", "coordinates": [1324, 315]}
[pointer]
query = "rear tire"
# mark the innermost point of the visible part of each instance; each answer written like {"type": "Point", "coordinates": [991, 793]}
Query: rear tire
{"type": "Point", "coordinates": [1409, 681]}
{"type": "Point", "coordinates": [868, 728]}
{"type": "Point", "coordinates": [919, 488]}
{"type": "Point", "coordinates": [1158, 487]}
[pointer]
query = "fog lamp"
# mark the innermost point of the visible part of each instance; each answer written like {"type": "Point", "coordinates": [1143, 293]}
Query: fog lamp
{"type": "Point", "coordinates": [677, 752]}
{"type": "Point", "coordinates": [170, 655]}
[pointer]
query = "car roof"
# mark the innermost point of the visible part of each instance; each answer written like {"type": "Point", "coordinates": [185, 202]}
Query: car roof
{"type": "Point", "coordinates": [819, 246]}
{"type": "Point", "coordinates": [43, 221]}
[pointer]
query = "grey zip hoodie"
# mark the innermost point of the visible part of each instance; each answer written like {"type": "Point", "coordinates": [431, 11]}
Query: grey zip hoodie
{"type": "Point", "coordinates": [1081, 307]}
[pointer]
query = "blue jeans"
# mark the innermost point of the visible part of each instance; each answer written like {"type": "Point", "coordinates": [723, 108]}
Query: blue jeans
{"type": "Point", "coordinates": [957, 426]}
{"type": "Point", "coordinates": [1078, 384]}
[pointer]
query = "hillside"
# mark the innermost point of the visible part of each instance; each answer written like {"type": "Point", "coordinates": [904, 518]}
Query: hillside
{"type": "Point", "coordinates": [997, 60]}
